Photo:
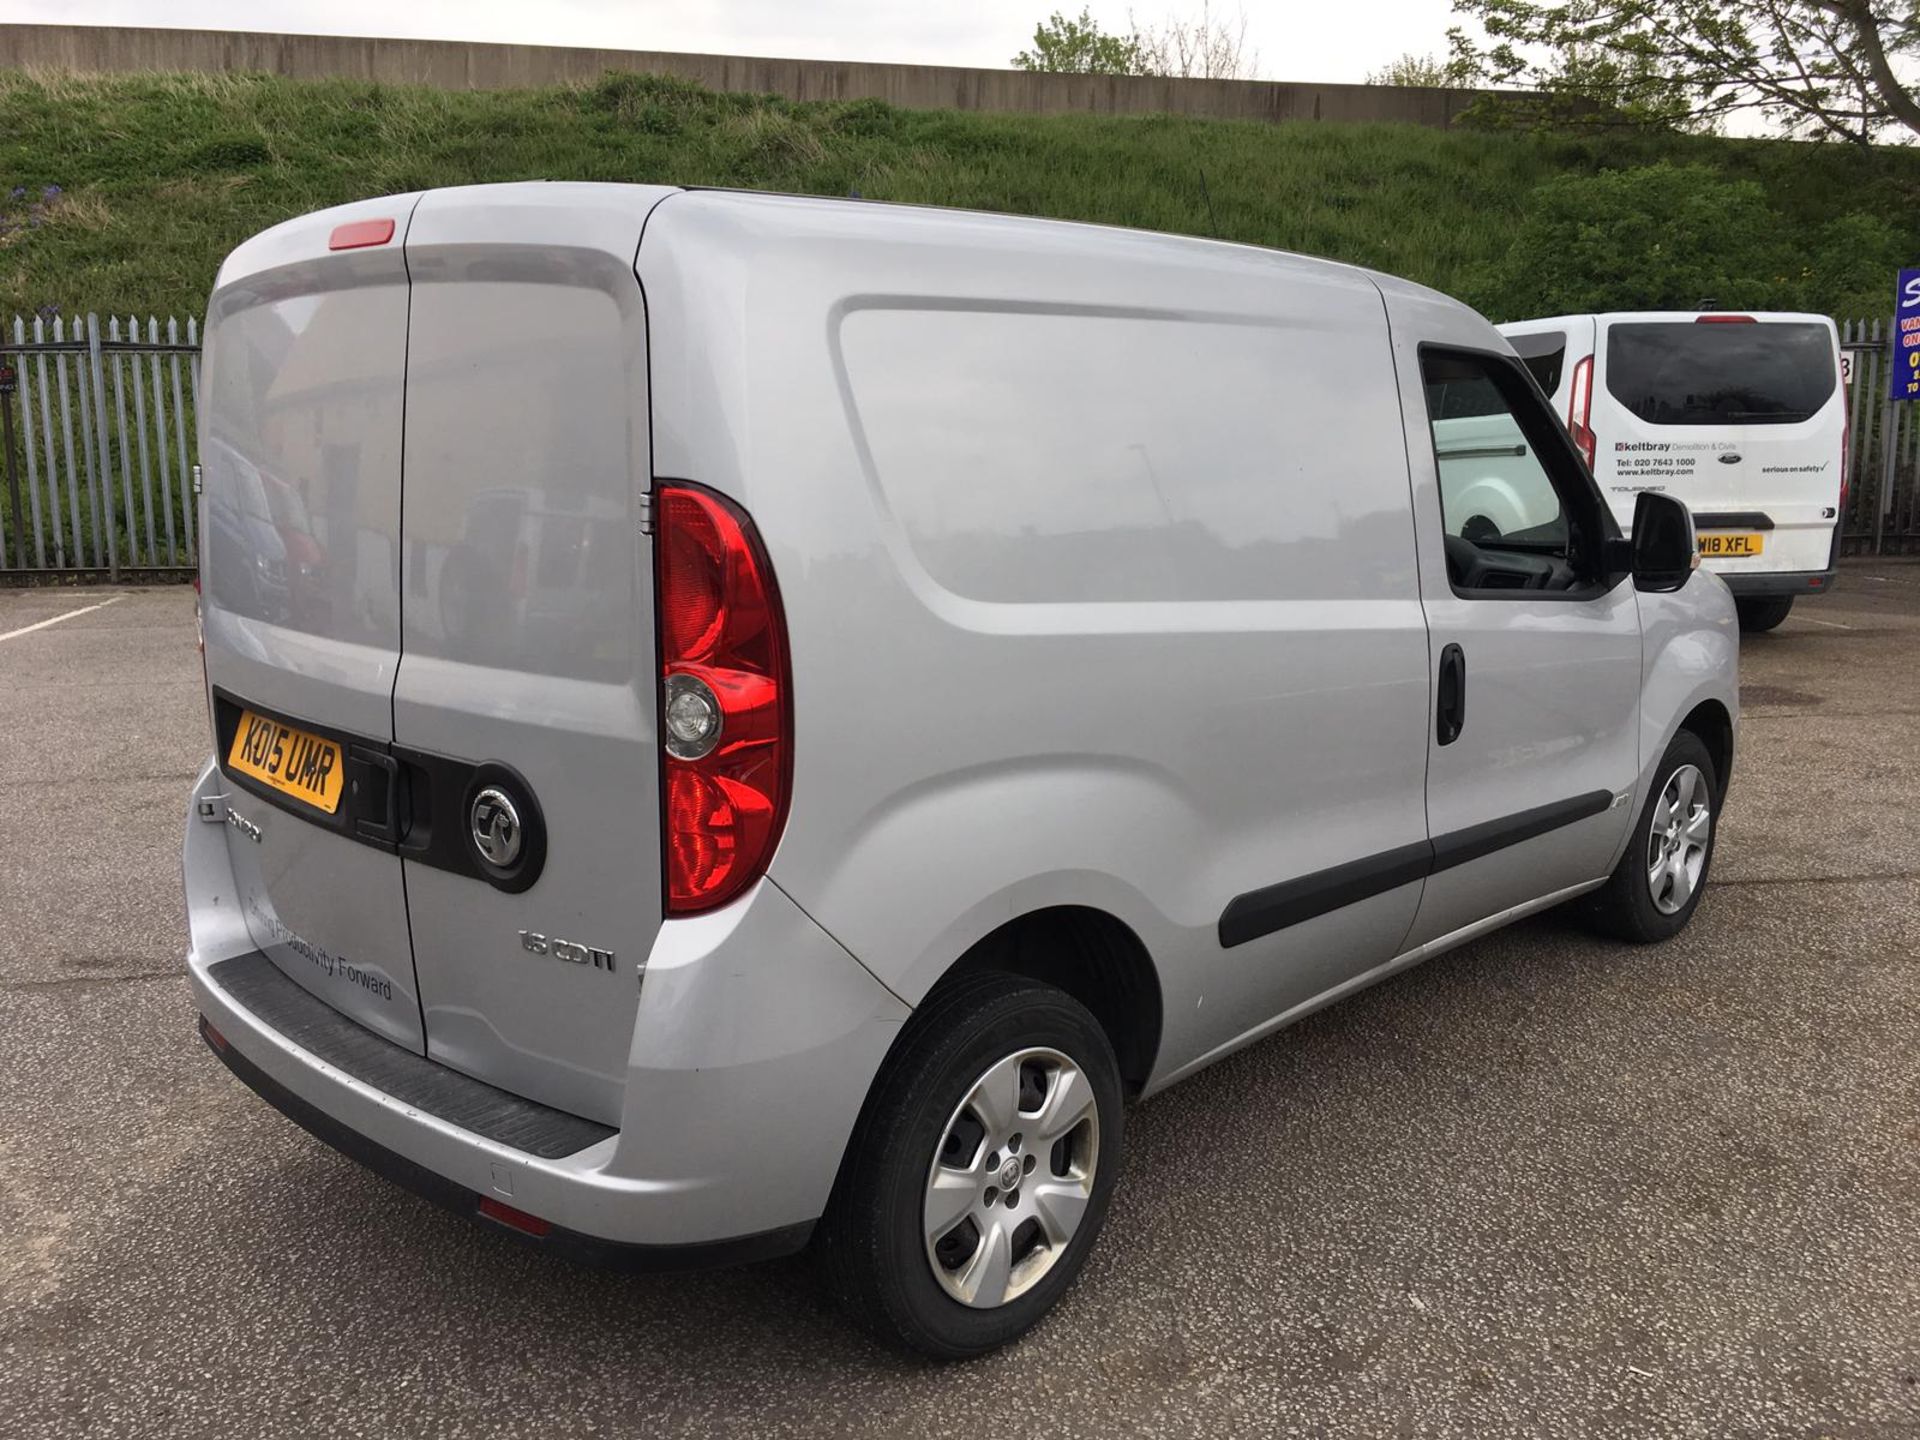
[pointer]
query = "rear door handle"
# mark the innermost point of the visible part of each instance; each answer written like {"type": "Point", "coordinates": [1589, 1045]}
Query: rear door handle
{"type": "Point", "coordinates": [1451, 711]}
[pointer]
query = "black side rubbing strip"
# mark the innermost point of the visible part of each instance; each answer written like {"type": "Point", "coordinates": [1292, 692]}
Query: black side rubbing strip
{"type": "Point", "coordinates": [1275, 907]}
{"type": "Point", "coordinates": [1471, 843]}
{"type": "Point", "coordinates": [1261, 912]}
{"type": "Point", "coordinates": [257, 985]}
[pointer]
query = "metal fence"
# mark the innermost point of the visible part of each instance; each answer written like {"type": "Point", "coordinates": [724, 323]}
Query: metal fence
{"type": "Point", "coordinates": [1883, 448]}
{"type": "Point", "coordinates": [97, 424]}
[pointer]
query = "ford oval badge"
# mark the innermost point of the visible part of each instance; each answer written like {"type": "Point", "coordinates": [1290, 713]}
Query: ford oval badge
{"type": "Point", "coordinates": [1729, 457]}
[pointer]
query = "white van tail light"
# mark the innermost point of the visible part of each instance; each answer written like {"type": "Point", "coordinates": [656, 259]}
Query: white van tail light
{"type": "Point", "coordinates": [726, 699]}
{"type": "Point", "coordinates": [1580, 408]}
{"type": "Point", "coordinates": [1846, 476]}
{"type": "Point", "coordinates": [1724, 320]}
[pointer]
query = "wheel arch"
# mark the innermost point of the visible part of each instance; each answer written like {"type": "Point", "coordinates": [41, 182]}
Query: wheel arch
{"type": "Point", "coordinates": [1712, 722]}
{"type": "Point", "coordinates": [1095, 957]}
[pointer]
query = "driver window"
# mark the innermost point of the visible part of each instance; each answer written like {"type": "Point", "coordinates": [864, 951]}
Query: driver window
{"type": "Point", "coordinates": [1519, 510]}
{"type": "Point", "coordinates": [1494, 490]}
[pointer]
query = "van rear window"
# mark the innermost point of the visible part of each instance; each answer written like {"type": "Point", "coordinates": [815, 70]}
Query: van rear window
{"type": "Point", "coordinates": [1545, 355]}
{"type": "Point", "coordinates": [1687, 373]}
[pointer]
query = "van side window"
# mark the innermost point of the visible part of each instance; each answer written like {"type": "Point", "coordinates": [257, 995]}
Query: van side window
{"type": "Point", "coordinates": [1515, 514]}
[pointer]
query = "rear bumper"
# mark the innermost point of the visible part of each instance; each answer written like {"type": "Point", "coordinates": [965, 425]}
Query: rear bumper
{"type": "Point", "coordinates": [1792, 582]}
{"type": "Point", "coordinates": [450, 1195]}
{"type": "Point", "coordinates": [754, 1045]}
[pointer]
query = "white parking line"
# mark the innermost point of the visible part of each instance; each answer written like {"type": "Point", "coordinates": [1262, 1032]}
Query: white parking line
{"type": "Point", "coordinates": [42, 624]}
{"type": "Point", "coordinates": [1830, 624]}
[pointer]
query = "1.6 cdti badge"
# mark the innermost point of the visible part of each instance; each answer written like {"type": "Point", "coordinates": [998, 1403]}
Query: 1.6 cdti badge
{"type": "Point", "coordinates": [571, 951]}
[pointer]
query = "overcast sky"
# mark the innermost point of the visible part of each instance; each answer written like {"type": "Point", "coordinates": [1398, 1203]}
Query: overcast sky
{"type": "Point", "coordinates": [1296, 39]}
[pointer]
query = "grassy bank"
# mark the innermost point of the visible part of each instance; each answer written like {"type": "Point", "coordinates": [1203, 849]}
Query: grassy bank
{"type": "Point", "coordinates": [123, 193]}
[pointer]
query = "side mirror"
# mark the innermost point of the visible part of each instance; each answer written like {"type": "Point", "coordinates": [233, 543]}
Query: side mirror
{"type": "Point", "coordinates": [1664, 549]}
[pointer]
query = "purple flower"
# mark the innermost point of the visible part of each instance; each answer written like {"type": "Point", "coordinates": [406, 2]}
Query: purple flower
{"type": "Point", "coordinates": [49, 192]}
{"type": "Point", "coordinates": [19, 192]}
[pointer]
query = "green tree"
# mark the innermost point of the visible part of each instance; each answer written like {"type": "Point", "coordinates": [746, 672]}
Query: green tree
{"type": "Point", "coordinates": [1817, 68]}
{"type": "Point", "coordinates": [1666, 237]}
{"type": "Point", "coordinates": [1079, 47]}
{"type": "Point", "coordinates": [1661, 237]}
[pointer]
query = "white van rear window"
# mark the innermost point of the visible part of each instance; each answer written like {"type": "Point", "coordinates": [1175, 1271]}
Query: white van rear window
{"type": "Point", "coordinates": [1689, 373]}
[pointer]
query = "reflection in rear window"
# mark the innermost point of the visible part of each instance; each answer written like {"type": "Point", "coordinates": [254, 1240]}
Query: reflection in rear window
{"type": "Point", "coordinates": [1687, 373]}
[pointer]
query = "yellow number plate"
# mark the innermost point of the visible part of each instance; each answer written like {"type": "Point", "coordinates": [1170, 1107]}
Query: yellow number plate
{"type": "Point", "coordinates": [293, 762]}
{"type": "Point", "coordinates": [1723, 545]}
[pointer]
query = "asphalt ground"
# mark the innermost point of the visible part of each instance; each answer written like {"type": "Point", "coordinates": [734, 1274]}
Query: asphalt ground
{"type": "Point", "coordinates": [1545, 1185]}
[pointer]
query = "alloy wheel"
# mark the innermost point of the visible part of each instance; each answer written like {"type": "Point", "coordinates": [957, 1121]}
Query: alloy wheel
{"type": "Point", "coordinates": [1012, 1177]}
{"type": "Point", "coordinates": [1677, 839]}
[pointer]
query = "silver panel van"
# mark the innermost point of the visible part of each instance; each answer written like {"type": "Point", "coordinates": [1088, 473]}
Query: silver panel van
{"type": "Point", "coordinates": [797, 713]}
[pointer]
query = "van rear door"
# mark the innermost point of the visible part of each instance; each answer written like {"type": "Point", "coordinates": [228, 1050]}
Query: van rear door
{"type": "Point", "coordinates": [300, 570]}
{"type": "Point", "coordinates": [1740, 416]}
{"type": "Point", "coordinates": [529, 671]}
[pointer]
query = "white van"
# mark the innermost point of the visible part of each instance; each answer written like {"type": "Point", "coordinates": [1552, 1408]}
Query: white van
{"type": "Point", "coordinates": [804, 710]}
{"type": "Point", "coordinates": [1741, 416]}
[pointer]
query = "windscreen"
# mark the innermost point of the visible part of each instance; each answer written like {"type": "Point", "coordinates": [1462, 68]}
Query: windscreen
{"type": "Point", "coordinates": [1733, 373]}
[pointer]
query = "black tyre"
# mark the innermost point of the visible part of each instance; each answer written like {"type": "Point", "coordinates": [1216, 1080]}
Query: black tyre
{"type": "Point", "coordinates": [978, 1176]}
{"type": "Point", "coordinates": [1762, 612]}
{"type": "Point", "coordinates": [1655, 889]}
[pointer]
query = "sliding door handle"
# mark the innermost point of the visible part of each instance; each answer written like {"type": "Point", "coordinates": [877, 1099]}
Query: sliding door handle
{"type": "Point", "coordinates": [1451, 708]}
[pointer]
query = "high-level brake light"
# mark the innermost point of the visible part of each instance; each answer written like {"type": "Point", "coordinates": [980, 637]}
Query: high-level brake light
{"type": "Point", "coordinates": [358, 234]}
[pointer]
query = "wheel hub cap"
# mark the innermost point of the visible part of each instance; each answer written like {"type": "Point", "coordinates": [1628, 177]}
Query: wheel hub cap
{"type": "Point", "coordinates": [1677, 839]}
{"type": "Point", "coordinates": [1011, 1178]}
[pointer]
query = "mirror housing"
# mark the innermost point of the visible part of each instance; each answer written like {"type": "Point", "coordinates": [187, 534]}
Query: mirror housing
{"type": "Point", "coordinates": [1662, 553]}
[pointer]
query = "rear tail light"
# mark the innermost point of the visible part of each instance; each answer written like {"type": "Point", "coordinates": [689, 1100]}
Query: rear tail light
{"type": "Point", "coordinates": [1580, 409]}
{"type": "Point", "coordinates": [1846, 474]}
{"type": "Point", "coordinates": [726, 699]}
{"type": "Point", "coordinates": [1724, 320]}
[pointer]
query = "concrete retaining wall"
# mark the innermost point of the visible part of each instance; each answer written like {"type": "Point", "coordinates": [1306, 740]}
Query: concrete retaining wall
{"type": "Point", "coordinates": [460, 65]}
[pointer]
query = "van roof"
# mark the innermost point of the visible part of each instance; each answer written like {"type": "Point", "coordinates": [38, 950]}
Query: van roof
{"type": "Point", "coordinates": [273, 246]}
{"type": "Point", "coordinates": [1668, 316]}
